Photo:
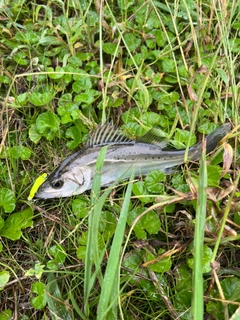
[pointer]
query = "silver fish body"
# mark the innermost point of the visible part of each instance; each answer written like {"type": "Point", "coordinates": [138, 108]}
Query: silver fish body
{"type": "Point", "coordinates": [75, 174]}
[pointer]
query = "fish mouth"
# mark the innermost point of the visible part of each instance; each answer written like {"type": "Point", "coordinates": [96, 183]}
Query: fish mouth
{"type": "Point", "coordinates": [46, 192]}
{"type": "Point", "coordinates": [44, 195]}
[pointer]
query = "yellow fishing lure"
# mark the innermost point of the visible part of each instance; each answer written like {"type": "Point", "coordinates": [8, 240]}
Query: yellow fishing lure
{"type": "Point", "coordinates": [38, 182]}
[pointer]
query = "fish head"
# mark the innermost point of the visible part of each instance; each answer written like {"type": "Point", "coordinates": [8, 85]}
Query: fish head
{"type": "Point", "coordinates": [59, 184]}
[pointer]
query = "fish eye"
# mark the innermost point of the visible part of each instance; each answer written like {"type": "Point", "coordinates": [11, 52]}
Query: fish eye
{"type": "Point", "coordinates": [57, 184]}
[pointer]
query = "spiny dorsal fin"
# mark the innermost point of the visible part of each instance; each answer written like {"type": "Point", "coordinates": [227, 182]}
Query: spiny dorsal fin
{"type": "Point", "coordinates": [107, 134]}
{"type": "Point", "coordinates": [153, 137]}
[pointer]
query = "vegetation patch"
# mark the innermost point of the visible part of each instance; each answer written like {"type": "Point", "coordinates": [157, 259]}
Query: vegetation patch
{"type": "Point", "coordinates": [165, 246]}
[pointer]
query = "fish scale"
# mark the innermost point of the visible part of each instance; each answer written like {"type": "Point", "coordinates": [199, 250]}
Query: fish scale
{"type": "Point", "coordinates": [75, 174]}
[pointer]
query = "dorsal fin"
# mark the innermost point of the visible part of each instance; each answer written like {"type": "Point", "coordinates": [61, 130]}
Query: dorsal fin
{"type": "Point", "coordinates": [107, 134]}
{"type": "Point", "coordinates": [153, 137]}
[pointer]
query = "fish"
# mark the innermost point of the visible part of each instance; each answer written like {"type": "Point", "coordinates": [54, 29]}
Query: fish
{"type": "Point", "coordinates": [75, 174]}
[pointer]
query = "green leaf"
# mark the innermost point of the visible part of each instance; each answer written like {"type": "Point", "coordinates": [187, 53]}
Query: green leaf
{"type": "Point", "coordinates": [27, 37]}
{"type": "Point", "coordinates": [168, 65]}
{"type": "Point", "coordinates": [40, 99]}
{"type": "Point", "coordinates": [234, 44]}
{"type": "Point", "coordinates": [151, 43]}
{"type": "Point", "coordinates": [58, 73]}
{"type": "Point", "coordinates": [83, 239]}
{"type": "Point", "coordinates": [59, 254]}
{"type": "Point", "coordinates": [7, 200]}
{"type": "Point", "coordinates": [88, 97]}
{"type": "Point", "coordinates": [142, 95]}
{"type": "Point", "coordinates": [124, 5]}
{"type": "Point", "coordinates": [84, 56]}
{"type": "Point", "coordinates": [110, 48]}
{"type": "Point", "coordinates": [15, 222]}
{"type": "Point", "coordinates": [79, 74]}
{"type": "Point", "coordinates": [51, 40]}
{"type": "Point", "coordinates": [82, 84]}
{"type": "Point", "coordinates": [148, 288]}
{"type": "Point", "coordinates": [166, 98]}
{"type": "Point", "coordinates": [149, 222]}
{"type": "Point", "coordinates": [55, 302]}
{"type": "Point", "coordinates": [182, 136]}
{"type": "Point", "coordinates": [132, 41]}
{"type": "Point", "coordinates": [20, 58]}
{"type": "Point", "coordinates": [74, 134]}
{"type": "Point", "coordinates": [37, 271]}
{"type": "Point", "coordinates": [153, 181]}
{"type": "Point", "coordinates": [170, 78]}
{"type": "Point", "coordinates": [93, 17]}
{"type": "Point", "coordinates": [152, 119]}
{"type": "Point", "coordinates": [6, 315]}
{"type": "Point", "coordinates": [231, 290]}
{"type": "Point", "coordinates": [206, 128]}
{"type": "Point", "coordinates": [183, 287]}
{"type": "Point", "coordinates": [132, 262]}
{"type": "Point", "coordinates": [160, 37]}
{"type": "Point", "coordinates": [22, 98]}
{"type": "Point", "coordinates": [1, 225]}
{"type": "Point", "coordinates": [139, 189]}
{"type": "Point", "coordinates": [80, 208]}
{"type": "Point", "coordinates": [4, 277]}
{"type": "Point", "coordinates": [48, 124]}
{"type": "Point", "coordinates": [81, 252]}
{"type": "Point", "coordinates": [5, 79]}
{"type": "Point", "coordinates": [34, 134]}
{"type": "Point", "coordinates": [214, 175]}
{"type": "Point", "coordinates": [131, 115]}
{"type": "Point", "coordinates": [179, 182]}
{"type": "Point", "coordinates": [114, 102]}
{"type": "Point", "coordinates": [38, 302]}
{"type": "Point", "coordinates": [133, 130]}
{"type": "Point", "coordinates": [64, 99]}
{"type": "Point", "coordinates": [19, 152]}
{"type": "Point", "coordinates": [153, 21]}
{"type": "Point", "coordinates": [160, 266]}
{"type": "Point", "coordinates": [69, 112]}
{"type": "Point", "coordinates": [223, 75]}
{"type": "Point", "coordinates": [75, 61]}
{"type": "Point", "coordinates": [107, 224]}
{"type": "Point", "coordinates": [206, 260]}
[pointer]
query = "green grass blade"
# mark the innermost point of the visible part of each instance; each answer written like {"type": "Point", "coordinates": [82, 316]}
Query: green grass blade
{"type": "Point", "coordinates": [197, 303]}
{"type": "Point", "coordinates": [92, 253]}
{"type": "Point", "coordinates": [94, 257]}
{"type": "Point", "coordinates": [107, 297]}
{"type": "Point", "coordinates": [76, 307]}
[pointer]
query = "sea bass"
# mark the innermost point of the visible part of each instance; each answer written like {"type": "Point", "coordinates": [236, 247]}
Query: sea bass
{"type": "Point", "coordinates": [75, 174]}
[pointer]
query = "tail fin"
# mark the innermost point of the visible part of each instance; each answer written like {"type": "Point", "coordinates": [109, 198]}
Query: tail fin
{"type": "Point", "coordinates": [212, 141]}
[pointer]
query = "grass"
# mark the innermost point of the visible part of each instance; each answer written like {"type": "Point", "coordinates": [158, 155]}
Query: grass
{"type": "Point", "coordinates": [161, 247]}
{"type": "Point", "coordinates": [197, 301]}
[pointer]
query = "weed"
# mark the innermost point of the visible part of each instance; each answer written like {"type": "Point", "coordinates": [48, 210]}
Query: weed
{"type": "Point", "coordinates": [163, 247]}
